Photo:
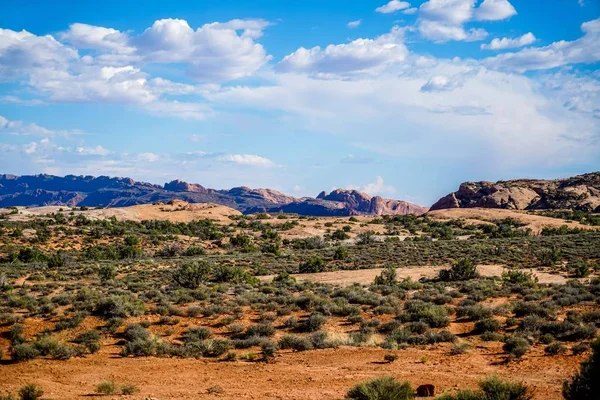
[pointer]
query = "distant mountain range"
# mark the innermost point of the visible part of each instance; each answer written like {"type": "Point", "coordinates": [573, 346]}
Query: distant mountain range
{"type": "Point", "coordinates": [71, 190]}
{"type": "Point", "coordinates": [581, 192]}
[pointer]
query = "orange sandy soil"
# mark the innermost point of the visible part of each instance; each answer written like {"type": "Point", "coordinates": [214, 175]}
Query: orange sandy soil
{"type": "Point", "coordinates": [317, 374]}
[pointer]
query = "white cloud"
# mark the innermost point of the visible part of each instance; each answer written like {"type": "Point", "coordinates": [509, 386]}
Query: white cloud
{"type": "Point", "coordinates": [508, 43]}
{"type": "Point", "coordinates": [392, 6]}
{"type": "Point", "coordinates": [358, 56]}
{"type": "Point", "coordinates": [494, 10]}
{"type": "Point", "coordinates": [505, 119]}
{"type": "Point", "coordinates": [585, 50]}
{"type": "Point", "coordinates": [84, 36]}
{"type": "Point", "coordinates": [147, 157]}
{"type": "Point", "coordinates": [442, 83]}
{"type": "Point", "coordinates": [212, 52]}
{"type": "Point", "coordinates": [252, 28]}
{"type": "Point", "coordinates": [93, 151]}
{"type": "Point", "coordinates": [442, 32]}
{"type": "Point", "coordinates": [248, 159]}
{"type": "Point", "coordinates": [22, 51]}
{"type": "Point", "coordinates": [21, 128]}
{"type": "Point", "coordinates": [444, 20]}
{"type": "Point", "coordinates": [354, 24]}
{"type": "Point", "coordinates": [410, 11]}
{"type": "Point", "coordinates": [375, 188]}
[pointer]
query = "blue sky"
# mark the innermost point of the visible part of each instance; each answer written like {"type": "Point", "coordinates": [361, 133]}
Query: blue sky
{"type": "Point", "coordinates": [403, 99]}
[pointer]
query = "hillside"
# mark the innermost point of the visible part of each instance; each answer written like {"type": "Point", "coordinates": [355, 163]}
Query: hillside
{"type": "Point", "coordinates": [580, 192]}
{"type": "Point", "coordinates": [71, 190]}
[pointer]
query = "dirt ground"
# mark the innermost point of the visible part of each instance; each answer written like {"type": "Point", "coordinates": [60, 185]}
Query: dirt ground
{"type": "Point", "coordinates": [366, 276]}
{"type": "Point", "coordinates": [479, 215]}
{"type": "Point", "coordinates": [317, 374]}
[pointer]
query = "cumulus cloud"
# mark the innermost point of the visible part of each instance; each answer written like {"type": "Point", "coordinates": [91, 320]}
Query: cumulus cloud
{"type": "Point", "coordinates": [508, 43]}
{"type": "Point", "coordinates": [378, 187]}
{"type": "Point", "coordinates": [494, 10]}
{"type": "Point", "coordinates": [96, 151]}
{"type": "Point", "coordinates": [444, 20]}
{"type": "Point", "coordinates": [585, 50]}
{"type": "Point", "coordinates": [112, 69]}
{"type": "Point", "coordinates": [84, 36]}
{"type": "Point", "coordinates": [354, 24]}
{"type": "Point", "coordinates": [248, 159]}
{"type": "Point", "coordinates": [502, 115]}
{"type": "Point", "coordinates": [22, 51]}
{"type": "Point", "coordinates": [358, 56]}
{"type": "Point", "coordinates": [392, 6]}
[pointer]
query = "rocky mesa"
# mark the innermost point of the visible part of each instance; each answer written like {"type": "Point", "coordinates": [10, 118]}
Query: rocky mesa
{"type": "Point", "coordinates": [581, 192]}
{"type": "Point", "coordinates": [72, 190]}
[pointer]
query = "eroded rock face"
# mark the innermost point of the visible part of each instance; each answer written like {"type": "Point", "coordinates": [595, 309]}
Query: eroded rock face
{"type": "Point", "coordinates": [580, 192]}
{"type": "Point", "coordinates": [71, 190]}
{"type": "Point", "coordinates": [181, 186]}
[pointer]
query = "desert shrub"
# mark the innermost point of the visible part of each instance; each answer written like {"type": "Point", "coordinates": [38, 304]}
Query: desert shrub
{"type": "Point", "coordinates": [314, 322]}
{"type": "Point", "coordinates": [107, 272]}
{"type": "Point", "coordinates": [312, 265]}
{"type": "Point", "coordinates": [487, 325]}
{"type": "Point", "coordinates": [193, 251]}
{"type": "Point", "coordinates": [224, 273]}
{"type": "Point", "coordinates": [388, 276]}
{"type": "Point", "coordinates": [89, 339]}
{"type": "Point", "coordinates": [139, 348]}
{"type": "Point", "coordinates": [24, 352]}
{"type": "Point", "coordinates": [579, 268]}
{"type": "Point", "coordinates": [341, 253]}
{"type": "Point", "coordinates": [490, 336]}
{"type": "Point", "coordinates": [390, 357]}
{"type": "Point", "coordinates": [264, 329]}
{"type": "Point", "coordinates": [135, 332]}
{"type": "Point", "coordinates": [106, 388]}
{"type": "Point", "coordinates": [549, 256]}
{"type": "Point", "coordinates": [129, 389]}
{"type": "Point", "coordinates": [555, 348]}
{"type": "Point", "coordinates": [579, 348]}
{"type": "Point", "coordinates": [46, 345]}
{"type": "Point", "coordinates": [119, 306]}
{"type": "Point", "coordinates": [463, 270]}
{"type": "Point", "coordinates": [585, 384]}
{"type": "Point", "coordinates": [268, 349]}
{"type": "Point", "coordinates": [197, 334]}
{"type": "Point", "coordinates": [518, 277]}
{"type": "Point", "coordinates": [459, 348]}
{"type": "Point", "coordinates": [30, 392]}
{"type": "Point", "coordinates": [516, 346]}
{"type": "Point", "coordinates": [294, 342]}
{"type": "Point", "coordinates": [495, 388]}
{"type": "Point", "coordinates": [475, 312]}
{"type": "Point", "coordinates": [433, 315]}
{"type": "Point", "coordinates": [387, 388]}
{"type": "Point", "coordinates": [191, 274]}
{"type": "Point", "coordinates": [15, 334]}
{"type": "Point", "coordinates": [284, 278]}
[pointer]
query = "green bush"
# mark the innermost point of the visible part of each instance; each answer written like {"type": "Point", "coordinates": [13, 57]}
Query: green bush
{"type": "Point", "coordinates": [312, 265]}
{"type": "Point", "coordinates": [24, 352]}
{"type": "Point", "coordinates": [388, 277]}
{"type": "Point", "coordinates": [516, 346]}
{"type": "Point", "coordinates": [555, 348]}
{"type": "Point", "coordinates": [129, 389]}
{"type": "Point", "coordinates": [463, 270]}
{"type": "Point", "coordinates": [387, 388]}
{"type": "Point", "coordinates": [107, 388]}
{"type": "Point", "coordinates": [585, 385]}
{"type": "Point", "coordinates": [492, 388]}
{"type": "Point", "coordinates": [191, 274]}
{"type": "Point", "coordinates": [30, 392]}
